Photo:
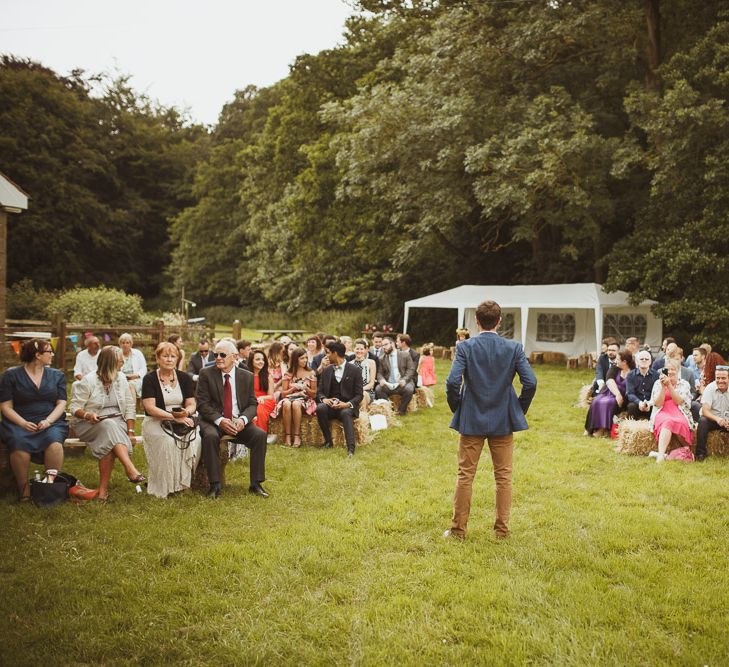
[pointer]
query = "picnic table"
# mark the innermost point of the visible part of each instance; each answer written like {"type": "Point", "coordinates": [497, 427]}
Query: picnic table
{"type": "Point", "coordinates": [277, 333]}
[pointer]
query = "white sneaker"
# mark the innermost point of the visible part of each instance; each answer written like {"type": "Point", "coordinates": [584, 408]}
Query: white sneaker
{"type": "Point", "coordinates": [652, 455]}
{"type": "Point", "coordinates": [271, 439]}
{"type": "Point", "coordinates": [660, 458]}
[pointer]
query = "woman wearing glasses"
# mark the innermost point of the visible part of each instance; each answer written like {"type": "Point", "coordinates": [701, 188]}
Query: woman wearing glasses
{"type": "Point", "coordinates": [33, 405]}
{"type": "Point", "coordinates": [170, 464]}
{"type": "Point", "coordinates": [671, 415]}
{"type": "Point", "coordinates": [104, 413]}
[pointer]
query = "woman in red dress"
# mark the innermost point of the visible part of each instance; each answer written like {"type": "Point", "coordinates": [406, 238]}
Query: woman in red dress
{"type": "Point", "coordinates": [262, 386]}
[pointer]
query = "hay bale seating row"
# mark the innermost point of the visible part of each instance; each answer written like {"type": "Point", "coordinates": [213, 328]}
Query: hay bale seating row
{"type": "Point", "coordinates": [635, 438]}
{"type": "Point", "coordinates": [311, 433]}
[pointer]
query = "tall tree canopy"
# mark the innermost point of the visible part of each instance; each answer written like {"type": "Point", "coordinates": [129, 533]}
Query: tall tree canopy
{"type": "Point", "coordinates": [443, 142]}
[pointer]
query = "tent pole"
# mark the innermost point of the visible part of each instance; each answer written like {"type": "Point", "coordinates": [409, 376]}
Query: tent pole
{"type": "Point", "coordinates": [461, 317]}
{"type": "Point", "coordinates": [598, 330]}
{"type": "Point", "coordinates": [405, 320]}
{"type": "Point", "coordinates": [524, 323]}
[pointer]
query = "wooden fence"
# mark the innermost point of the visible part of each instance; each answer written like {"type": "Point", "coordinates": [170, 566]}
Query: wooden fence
{"type": "Point", "coordinates": [68, 338]}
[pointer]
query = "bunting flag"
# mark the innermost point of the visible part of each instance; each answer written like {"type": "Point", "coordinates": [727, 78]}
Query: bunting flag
{"type": "Point", "coordinates": [54, 343]}
{"type": "Point", "coordinates": [16, 346]}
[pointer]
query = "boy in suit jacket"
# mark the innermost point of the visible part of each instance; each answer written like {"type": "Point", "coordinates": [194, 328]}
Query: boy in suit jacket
{"type": "Point", "coordinates": [227, 406]}
{"type": "Point", "coordinates": [338, 395]}
{"type": "Point", "coordinates": [481, 395]}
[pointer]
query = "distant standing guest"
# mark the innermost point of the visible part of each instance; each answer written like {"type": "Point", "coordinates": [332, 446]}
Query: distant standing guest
{"type": "Point", "coordinates": [33, 405]}
{"type": "Point", "coordinates": [426, 366]}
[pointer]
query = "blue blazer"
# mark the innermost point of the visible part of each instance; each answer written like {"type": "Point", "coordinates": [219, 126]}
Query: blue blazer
{"type": "Point", "coordinates": [479, 387]}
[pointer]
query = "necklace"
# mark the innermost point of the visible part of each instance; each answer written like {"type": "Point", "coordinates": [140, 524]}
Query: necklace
{"type": "Point", "coordinates": [168, 384]}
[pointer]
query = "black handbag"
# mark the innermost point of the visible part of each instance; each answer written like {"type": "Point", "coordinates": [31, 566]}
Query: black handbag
{"type": "Point", "coordinates": [51, 494]}
{"type": "Point", "coordinates": [182, 434]}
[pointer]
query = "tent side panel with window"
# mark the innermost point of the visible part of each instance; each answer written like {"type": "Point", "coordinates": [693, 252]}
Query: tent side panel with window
{"type": "Point", "coordinates": [570, 318]}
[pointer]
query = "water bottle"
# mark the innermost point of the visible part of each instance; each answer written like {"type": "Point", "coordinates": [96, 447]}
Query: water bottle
{"type": "Point", "coordinates": [36, 476]}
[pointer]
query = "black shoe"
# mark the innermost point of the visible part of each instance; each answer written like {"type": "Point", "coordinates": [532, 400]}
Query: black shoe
{"type": "Point", "coordinates": [214, 491]}
{"type": "Point", "coordinates": [700, 457]}
{"type": "Point", "coordinates": [326, 445]}
{"type": "Point", "coordinates": [257, 490]}
{"type": "Point", "coordinates": [350, 452]}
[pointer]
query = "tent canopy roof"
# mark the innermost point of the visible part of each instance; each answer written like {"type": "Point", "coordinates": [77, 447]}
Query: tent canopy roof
{"type": "Point", "coordinates": [12, 196]}
{"type": "Point", "coordinates": [573, 295]}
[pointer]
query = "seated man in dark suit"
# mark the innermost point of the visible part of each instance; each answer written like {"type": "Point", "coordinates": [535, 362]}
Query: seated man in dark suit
{"type": "Point", "coordinates": [244, 351]}
{"type": "Point", "coordinates": [227, 406]}
{"type": "Point", "coordinates": [396, 374]}
{"type": "Point", "coordinates": [338, 395]}
{"type": "Point", "coordinates": [200, 359]}
{"type": "Point", "coordinates": [639, 386]}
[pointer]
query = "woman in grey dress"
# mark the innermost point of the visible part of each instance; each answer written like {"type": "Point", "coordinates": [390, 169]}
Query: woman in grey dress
{"type": "Point", "coordinates": [104, 413]}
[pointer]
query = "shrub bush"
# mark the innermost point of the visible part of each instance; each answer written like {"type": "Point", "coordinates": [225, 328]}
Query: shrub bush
{"type": "Point", "coordinates": [25, 302]}
{"type": "Point", "coordinates": [99, 305]}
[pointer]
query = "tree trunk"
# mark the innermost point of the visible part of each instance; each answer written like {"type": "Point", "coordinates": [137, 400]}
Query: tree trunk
{"type": "Point", "coordinates": [653, 47]}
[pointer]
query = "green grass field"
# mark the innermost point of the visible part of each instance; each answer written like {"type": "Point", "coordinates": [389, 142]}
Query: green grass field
{"type": "Point", "coordinates": [613, 559]}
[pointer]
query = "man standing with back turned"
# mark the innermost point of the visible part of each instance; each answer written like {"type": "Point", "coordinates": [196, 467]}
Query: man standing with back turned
{"type": "Point", "coordinates": [481, 395]}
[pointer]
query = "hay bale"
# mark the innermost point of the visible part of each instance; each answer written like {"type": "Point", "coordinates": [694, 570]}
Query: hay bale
{"type": "Point", "coordinates": [536, 358]}
{"type": "Point", "coordinates": [635, 438]}
{"type": "Point", "coordinates": [585, 361]}
{"type": "Point", "coordinates": [585, 397]}
{"type": "Point", "coordinates": [718, 443]}
{"type": "Point", "coordinates": [311, 433]}
{"type": "Point", "coordinates": [396, 399]}
{"type": "Point", "coordinates": [200, 478]}
{"type": "Point", "coordinates": [425, 397]}
{"type": "Point", "coordinates": [554, 357]}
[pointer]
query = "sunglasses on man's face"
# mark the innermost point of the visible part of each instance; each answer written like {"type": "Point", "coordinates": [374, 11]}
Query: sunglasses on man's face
{"type": "Point", "coordinates": [222, 355]}
{"type": "Point", "coordinates": [722, 368]}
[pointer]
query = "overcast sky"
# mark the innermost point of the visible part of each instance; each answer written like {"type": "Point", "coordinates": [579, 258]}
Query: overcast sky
{"type": "Point", "coordinates": [188, 54]}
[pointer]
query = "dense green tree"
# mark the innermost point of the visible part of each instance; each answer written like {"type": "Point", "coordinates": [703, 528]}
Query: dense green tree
{"type": "Point", "coordinates": [104, 174]}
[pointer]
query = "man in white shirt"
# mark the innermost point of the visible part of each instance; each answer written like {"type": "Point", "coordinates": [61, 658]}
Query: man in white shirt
{"type": "Point", "coordinates": [714, 410]}
{"type": "Point", "coordinates": [86, 359]}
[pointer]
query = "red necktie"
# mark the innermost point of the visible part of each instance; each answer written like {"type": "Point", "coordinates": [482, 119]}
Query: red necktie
{"type": "Point", "coordinates": [227, 398]}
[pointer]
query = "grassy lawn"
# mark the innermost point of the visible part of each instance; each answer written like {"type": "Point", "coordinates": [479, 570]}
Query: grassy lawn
{"type": "Point", "coordinates": [613, 559]}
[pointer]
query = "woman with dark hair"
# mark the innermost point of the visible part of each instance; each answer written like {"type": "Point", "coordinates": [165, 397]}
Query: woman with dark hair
{"type": "Point", "coordinates": [33, 405]}
{"type": "Point", "coordinates": [313, 348]}
{"type": "Point", "coordinates": [298, 392]}
{"type": "Point", "coordinates": [262, 387]}
{"type": "Point", "coordinates": [104, 412]}
{"type": "Point", "coordinates": [169, 466]}
{"type": "Point", "coordinates": [612, 397]}
{"type": "Point", "coordinates": [288, 351]}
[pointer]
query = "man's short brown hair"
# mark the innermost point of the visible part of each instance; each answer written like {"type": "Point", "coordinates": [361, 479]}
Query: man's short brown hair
{"type": "Point", "coordinates": [488, 314]}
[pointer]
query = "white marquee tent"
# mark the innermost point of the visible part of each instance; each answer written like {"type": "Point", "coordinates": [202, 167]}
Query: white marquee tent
{"type": "Point", "coordinates": [572, 318]}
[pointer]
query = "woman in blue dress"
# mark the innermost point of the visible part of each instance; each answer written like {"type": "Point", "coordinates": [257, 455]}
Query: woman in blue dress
{"type": "Point", "coordinates": [33, 405]}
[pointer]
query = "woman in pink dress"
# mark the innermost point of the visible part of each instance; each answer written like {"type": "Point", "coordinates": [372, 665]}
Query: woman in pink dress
{"type": "Point", "coordinates": [262, 387]}
{"type": "Point", "coordinates": [671, 398]}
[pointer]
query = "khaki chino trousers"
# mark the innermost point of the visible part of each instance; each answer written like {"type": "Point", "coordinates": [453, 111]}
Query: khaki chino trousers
{"type": "Point", "coordinates": [469, 453]}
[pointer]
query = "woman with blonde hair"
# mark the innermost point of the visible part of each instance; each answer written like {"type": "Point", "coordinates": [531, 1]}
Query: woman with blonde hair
{"type": "Point", "coordinates": [104, 412]}
{"type": "Point", "coordinates": [170, 463]}
{"type": "Point", "coordinates": [135, 365]}
{"type": "Point", "coordinates": [671, 415]}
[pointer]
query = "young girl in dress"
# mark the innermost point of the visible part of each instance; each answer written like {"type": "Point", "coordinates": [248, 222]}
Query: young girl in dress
{"type": "Point", "coordinates": [426, 366]}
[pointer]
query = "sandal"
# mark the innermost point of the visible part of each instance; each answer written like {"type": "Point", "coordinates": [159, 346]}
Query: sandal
{"type": "Point", "coordinates": [287, 440]}
{"type": "Point", "coordinates": [138, 479]}
{"type": "Point", "coordinates": [297, 437]}
{"type": "Point", "coordinates": [24, 495]}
